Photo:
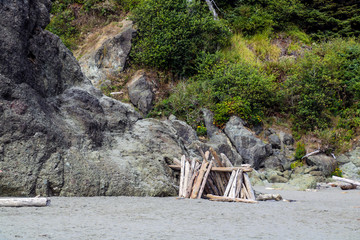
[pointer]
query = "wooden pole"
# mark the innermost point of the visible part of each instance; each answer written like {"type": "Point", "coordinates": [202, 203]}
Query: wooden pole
{"type": "Point", "coordinates": [249, 187]}
{"type": "Point", "coordinates": [198, 180]}
{"type": "Point", "coordinates": [233, 185]}
{"type": "Point", "coordinates": [228, 187]}
{"type": "Point", "coordinates": [227, 199]}
{"type": "Point", "coordinates": [24, 202]}
{"type": "Point", "coordinates": [205, 180]}
{"type": "Point", "coordinates": [239, 182]}
{"type": "Point", "coordinates": [182, 176]}
{"type": "Point", "coordinates": [187, 176]}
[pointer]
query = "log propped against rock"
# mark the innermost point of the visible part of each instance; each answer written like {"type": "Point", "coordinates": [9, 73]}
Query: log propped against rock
{"type": "Point", "coordinates": [215, 179]}
{"type": "Point", "coordinates": [24, 202]}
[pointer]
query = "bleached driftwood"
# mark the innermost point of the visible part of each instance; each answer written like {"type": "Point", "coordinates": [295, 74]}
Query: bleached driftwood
{"type": "Point", "coordinates": [346, 180]}
{"type": "Point", "coordinates": [265, 197]}
{"type": "Point", "coordinates": [248, 187]}
{"type": "Point", "coordinates": [182, 177]}
{"type": "Point", "coordinates": [199, 179]}
{"type": "Point", "coordinates": [228, 199]}
{"type": "Point", "coordinates": [205, 180]}
{"type": "Point", "coordinates": [24, 202]}
{"type": "Point", "coordinates": [310, 154]}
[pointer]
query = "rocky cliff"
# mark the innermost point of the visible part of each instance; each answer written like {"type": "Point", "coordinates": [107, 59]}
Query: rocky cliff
{"type": "Point", "coordinates": [61, 136]}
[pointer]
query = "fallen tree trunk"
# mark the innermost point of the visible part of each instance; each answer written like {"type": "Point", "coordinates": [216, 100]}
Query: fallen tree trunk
{"type": "Point", "coordinates": [228, 199]}
{"type": "Point", "coordinates": [24, 202]}
{"type": "Point", "coordinates": [346, 180]}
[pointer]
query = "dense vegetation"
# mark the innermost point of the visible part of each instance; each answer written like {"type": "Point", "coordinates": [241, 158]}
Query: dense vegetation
{"type": "Point", "coordinates": [296, 60]}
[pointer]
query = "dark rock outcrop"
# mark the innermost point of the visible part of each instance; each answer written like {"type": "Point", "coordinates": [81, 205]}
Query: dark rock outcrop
{"type": "Point", "coordinates": [58, 134]}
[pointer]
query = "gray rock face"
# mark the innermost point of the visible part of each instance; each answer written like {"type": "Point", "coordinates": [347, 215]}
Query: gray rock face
{"type": "Point", "coordinates": [211, 129]}
{"type": "Point", "coordinates": [288, 139]}
{"type": "Point", "coordinates": [252, 150]}
{"type": "Point", "coordinates": [325, 163]}
{"type": "Point", "coordinates": [108, 55]}
{"type": "Point", "coordinates": [140, 93]}
{"type": "Point", "coordinates": [58, 134]}
{"type": "Point", "coordinates": [274, 140]}
{"type": "Point", "coordinates": [352, 156]}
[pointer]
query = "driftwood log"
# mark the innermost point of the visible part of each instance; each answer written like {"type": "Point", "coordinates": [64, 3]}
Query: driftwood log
{"type": "Point", "coordinates": [24, 202]}
{"type": "Point", "coordinates": [228, 199]}
{"type": "Point", "coordinates": [346, 180]}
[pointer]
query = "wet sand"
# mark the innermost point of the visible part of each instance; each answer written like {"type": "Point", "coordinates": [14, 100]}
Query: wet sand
{"type": "Point", "coordinates": [326, 214]}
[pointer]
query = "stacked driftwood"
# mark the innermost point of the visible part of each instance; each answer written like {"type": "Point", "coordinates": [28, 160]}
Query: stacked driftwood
{"type": "Point", "coordinates": [216, 178]}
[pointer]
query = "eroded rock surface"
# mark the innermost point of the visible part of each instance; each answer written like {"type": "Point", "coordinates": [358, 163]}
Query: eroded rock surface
{"type": "Point", "coordinates": [58, 134]}
{"type": "Point", "coordinates": [106, 52]}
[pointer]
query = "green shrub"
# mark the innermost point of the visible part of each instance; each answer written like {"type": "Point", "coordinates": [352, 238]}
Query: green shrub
{"type": "Point", "coordinates": [201, 130]}
{"type": "Point", "coordinates": [300, 151]}
{"type": "Point", "coordinates": [172, 34]}
{"type": "Point", "coordinates": [324, 83]}
{"type": "Point", "coordinates": [234, 106]}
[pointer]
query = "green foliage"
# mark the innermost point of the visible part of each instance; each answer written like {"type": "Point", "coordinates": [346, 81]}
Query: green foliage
{"type": "Point", "coordinates": [63, 26]}
{"type": "Point", "coordinates": [201, 130]}
{"type": "Point", "coordinates": [234, 106]}
{"type": "Point", "coordinates": [321, 19]}
{"type": "Point", "coordinates": [325, 83]}
{"type": "Point", "coordinates": [300, 151]}
{"type": "Point", "coordinates": [71, 18]}
{"type": "Point", "coordinates": [297, 163]}
{"type": "Point", "coordinates": [337, 172]}
{"type": "Point", "coordinates": [172, 33]}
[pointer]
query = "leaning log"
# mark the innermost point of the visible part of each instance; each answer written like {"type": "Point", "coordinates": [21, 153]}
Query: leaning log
{"type": "Point", "coordinates": [24, 202]}
{"type": "Point", "coordinates": [205, 180]}
{"type": "Point", "coordinates": [228, 199]}
{"type": "Point", "coordinates": [199, 179]}
{"type": "Point", "coordinates": [346, 180]}
{"type": "Point", "coordinates": [249, 187]}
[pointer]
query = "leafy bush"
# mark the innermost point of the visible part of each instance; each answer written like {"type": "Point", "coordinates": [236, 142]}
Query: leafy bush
{"type": "Point", "coordinates": [300, 151]}
{"type": "Point", "coordinates": [172, 33]}
{"type": "Point", "coordinates": [324, 83]}
{"type": "Point", "coordinates": [201, 130]}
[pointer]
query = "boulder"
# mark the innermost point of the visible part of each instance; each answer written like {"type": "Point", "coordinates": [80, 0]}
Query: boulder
{"type": "Point", "coordinates": [302, 182]}
{"type": "Point", "coordinates": [325, 163]}
{"type": "Point", "coordinates": [352, 156]}
{"type": "Point", "coordinates": [252, 150]}
{"type": "Point", "coordinates": [349, 170]}
{"type": "Point", "coordinates": [274, 140]}
{"type": "Point", "coordinates": [274, 176]}
{"type": "Point", "coordinates": [140, 93]}
{"type": "Point", "coordinates": [107, 52]}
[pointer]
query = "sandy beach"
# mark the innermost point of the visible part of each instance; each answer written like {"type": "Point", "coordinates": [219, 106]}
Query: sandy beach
{"type": "Point", "coordinates": [325, 214]}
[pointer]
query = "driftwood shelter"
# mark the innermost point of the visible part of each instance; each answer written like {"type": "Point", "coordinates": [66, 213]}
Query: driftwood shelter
{"type": "Point", "coordinates": [215, 179]}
